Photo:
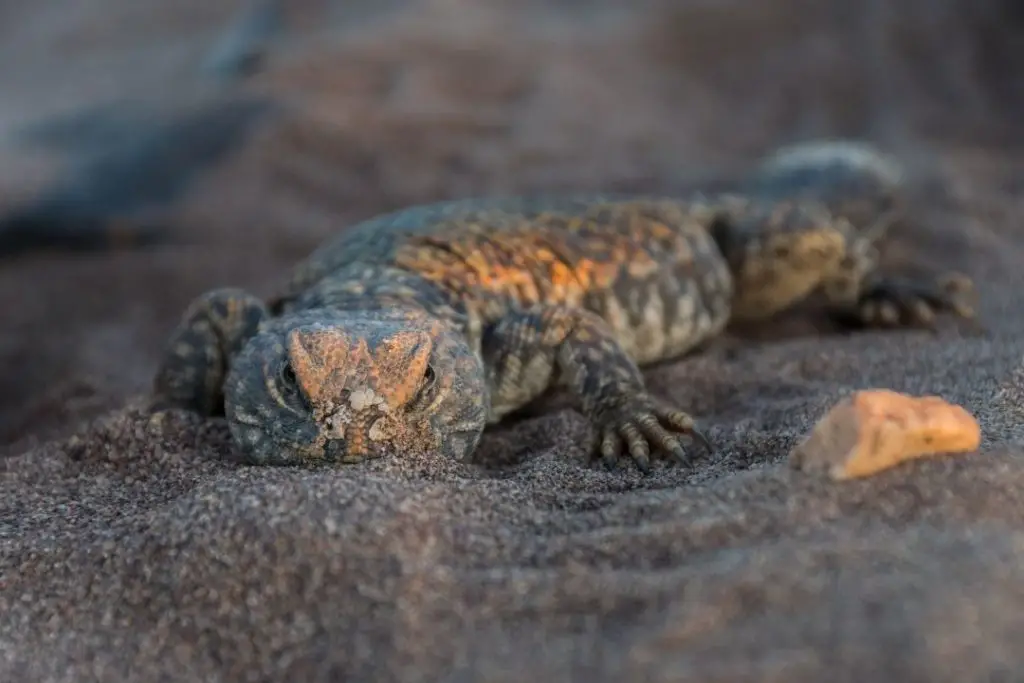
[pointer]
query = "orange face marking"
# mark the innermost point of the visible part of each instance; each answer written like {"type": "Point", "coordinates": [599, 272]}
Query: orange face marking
{"type": "Point", "coordinates": [320, 361]}
{"type": "Point", "coordinates": [400, 363]}
{"type": "Point", "coordinates": [328, 363]}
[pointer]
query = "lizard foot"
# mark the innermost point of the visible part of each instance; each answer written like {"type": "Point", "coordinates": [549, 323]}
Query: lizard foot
{"type": "Point", "coordinates": [199, 350]}
{"type": "Point", "coordinates": [640, 423]}
{"type": "Point", "coordinates": [895, 302]}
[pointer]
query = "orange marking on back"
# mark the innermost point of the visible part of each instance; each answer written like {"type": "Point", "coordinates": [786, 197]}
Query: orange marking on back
{"type": "Point", "coordinates": [552, 258]}
{"type": "Point", "coordinates": [478, 261]}
{"type": "Point", "coordinates": [584, 273]}
{"type": "Point", "coordinates": [641, 265]}
{"type": "Point", "coordinates": [660, 231]}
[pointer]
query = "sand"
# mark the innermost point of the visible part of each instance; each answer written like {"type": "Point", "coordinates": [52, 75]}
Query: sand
{"type": "Point", "coordinates": [137, 549]}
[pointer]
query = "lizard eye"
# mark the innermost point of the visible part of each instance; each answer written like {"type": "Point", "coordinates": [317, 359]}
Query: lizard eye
{"type": "Point", "coordinates": [426, 391]}
{"type": "Point", "coordinates": [288, 374]}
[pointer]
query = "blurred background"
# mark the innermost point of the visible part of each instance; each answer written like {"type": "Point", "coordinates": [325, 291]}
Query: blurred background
{"type": "Point", "coordinates": [154, 150]}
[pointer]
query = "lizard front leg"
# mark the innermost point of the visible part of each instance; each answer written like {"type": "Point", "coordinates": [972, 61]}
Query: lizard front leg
{"type": "Point", "coordinates": [197, 356]}
{"type": "Point", "coordinates": [858, 293]}
{"type": "Point", "coordinates": [529, 351]}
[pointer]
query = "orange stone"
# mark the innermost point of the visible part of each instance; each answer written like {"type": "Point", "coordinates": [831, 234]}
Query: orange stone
{"type": "Point", "coordinates": [876, 429]}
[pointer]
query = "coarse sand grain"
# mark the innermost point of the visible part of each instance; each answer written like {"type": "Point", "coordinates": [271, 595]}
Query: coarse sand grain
{"type": "Point", "coordinates": [135, 548]}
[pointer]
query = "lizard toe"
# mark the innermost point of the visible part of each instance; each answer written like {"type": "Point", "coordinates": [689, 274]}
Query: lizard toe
{"type": "Point", "coordinates": [683, 422]}
{"type": "Point", "coordinates": [663, 439]}
{"type": "Point", "coordinates": [958, 294]}
{"type": "Point", "coordinates": [644, 427]}
{"type": "Point", "coordinates": [611, 448]}
{"type": "Point", "coordinates": [896, 303]}
{"type": "Point", "coordinates": [636, 444]}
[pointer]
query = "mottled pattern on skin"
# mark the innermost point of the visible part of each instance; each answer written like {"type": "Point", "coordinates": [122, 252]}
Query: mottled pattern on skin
{"type": "Point", "coordinates": [866, 186]}
{"type": "Point", "coordinates": [197, 354]}
{"type": "Point", "coordinates": [527, 350]}
{"type": "Point", "coordinates": [342, 386]}
{"type": "Point", "coordinates": [649, 267]}
{"type": "Point", "coordinates": [416, 330]}
{"type": "Point", "coordinates": [373, 241]}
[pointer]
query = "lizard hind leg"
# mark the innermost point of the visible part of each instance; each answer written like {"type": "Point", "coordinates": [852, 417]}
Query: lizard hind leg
{"type": "Point", "coordinates": [860, 294]}
{"type": "Point", "coordinates": [198, 353]}
{"type": "Point", "coordinates": [903, 302]}
{"type": "Point", "coordinates": [530, 351]}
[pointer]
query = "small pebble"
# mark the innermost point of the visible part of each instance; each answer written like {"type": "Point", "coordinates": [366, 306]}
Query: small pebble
{"type": "Point", "coordinates": [877, 429]}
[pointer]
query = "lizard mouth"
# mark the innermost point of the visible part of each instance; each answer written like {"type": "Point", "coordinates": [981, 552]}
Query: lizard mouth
{"type": "Point", "coordinates": [353, 438]}
{"type": "Point", "coordinates": [349, 452]}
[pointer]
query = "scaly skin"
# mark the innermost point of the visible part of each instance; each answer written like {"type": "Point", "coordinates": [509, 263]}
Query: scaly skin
{"type": "Point", "coordinates": [416, 330]}
{"type": "Point", "coordinates": [866, 186]}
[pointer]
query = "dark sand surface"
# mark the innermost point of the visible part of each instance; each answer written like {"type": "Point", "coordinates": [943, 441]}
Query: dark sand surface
{"type": "Point", "coordinates": [134, 549]}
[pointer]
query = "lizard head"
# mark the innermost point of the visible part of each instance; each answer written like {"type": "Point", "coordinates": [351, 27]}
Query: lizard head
{"type": "Point", "coordinates": [348, 386]}
{"type": "Point", "coordinates": [779, 252]}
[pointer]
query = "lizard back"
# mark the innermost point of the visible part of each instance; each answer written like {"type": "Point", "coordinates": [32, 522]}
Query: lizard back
{"type": "Point", "coordinates": [648, 267]}
{"type": "Point", "coordinates": [374, 241]}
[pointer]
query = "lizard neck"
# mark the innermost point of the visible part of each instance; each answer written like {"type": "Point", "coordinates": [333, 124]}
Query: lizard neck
{"type": "Point", "coordinates": [372, 287]}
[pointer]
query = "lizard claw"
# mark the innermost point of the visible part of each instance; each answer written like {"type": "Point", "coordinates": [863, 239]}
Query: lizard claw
{"type": "Point", "coordinates": [643, 424]}
{"type": "Point", "coordinates": [895, 303]}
